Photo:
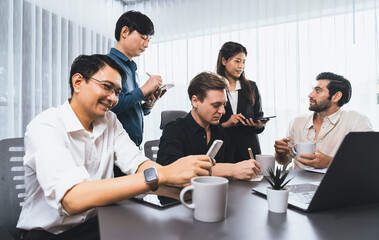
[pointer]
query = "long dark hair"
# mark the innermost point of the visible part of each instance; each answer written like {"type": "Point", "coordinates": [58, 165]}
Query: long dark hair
{"type": "Point", "coordinates": [227, 51]}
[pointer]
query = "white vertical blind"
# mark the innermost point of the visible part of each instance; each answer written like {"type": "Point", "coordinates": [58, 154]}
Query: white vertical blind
{"type": "Point", "coordinates": [288, 41]}
{"type": "Point", "coordinates": [39, 40]}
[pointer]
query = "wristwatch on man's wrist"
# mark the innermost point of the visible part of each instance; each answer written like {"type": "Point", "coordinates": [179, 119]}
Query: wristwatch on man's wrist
{"type": "Point", "coordinates": [151, 178]}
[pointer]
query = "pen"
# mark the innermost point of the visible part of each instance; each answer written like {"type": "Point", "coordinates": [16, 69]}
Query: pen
{"type": "Point", "coordinates": [148, 74]}
{"type": "Point", "coordinates": [250, 153]}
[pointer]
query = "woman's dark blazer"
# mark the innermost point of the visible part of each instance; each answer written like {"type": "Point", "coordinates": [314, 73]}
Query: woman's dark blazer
{"type": "Point", "coordinates": [244, 137]}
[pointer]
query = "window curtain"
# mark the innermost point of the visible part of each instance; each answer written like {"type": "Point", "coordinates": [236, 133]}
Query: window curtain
{"type": "Point", "coordinates": [289, 42]}
{"type": "Point", "coordinates": [39, 40]}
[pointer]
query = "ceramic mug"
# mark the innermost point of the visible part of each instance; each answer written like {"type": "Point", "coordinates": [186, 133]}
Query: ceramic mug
{"type": "Point", "coordinates": [209, 198]}
{"type": "Point", "coordinates": [266, 162]}
{"type": "Point", "coordinates": [303, 148]}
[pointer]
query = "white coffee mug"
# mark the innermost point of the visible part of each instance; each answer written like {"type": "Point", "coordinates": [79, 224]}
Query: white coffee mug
{"type": "Point", "coordinates": [266, 162]}
{"type": "Point", "coordinates": [303, 148]}
{"type": "Point", "coordinates": [209, 198]}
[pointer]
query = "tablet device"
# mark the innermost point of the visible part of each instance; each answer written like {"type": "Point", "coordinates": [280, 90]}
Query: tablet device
{"type": "Point", "coordinates": [157, 201]}
{"type": "Point", "coordinates": [264, 118]}
{"type": "Point", "coordinates": [167, 86]}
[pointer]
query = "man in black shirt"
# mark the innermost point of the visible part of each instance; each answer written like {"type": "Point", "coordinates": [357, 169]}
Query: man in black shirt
{"type": "Point", "coordinates": [195, 133]}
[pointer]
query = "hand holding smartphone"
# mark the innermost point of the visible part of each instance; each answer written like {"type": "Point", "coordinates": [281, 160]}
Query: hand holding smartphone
{"type": "Point", "coordinates": [213, 150]}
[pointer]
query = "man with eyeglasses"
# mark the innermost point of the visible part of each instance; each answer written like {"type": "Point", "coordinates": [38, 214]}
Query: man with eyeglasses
{"type": "Point", "coordinates": [69, 155]}
{"type": "Point", "coordinates": [132, 32]}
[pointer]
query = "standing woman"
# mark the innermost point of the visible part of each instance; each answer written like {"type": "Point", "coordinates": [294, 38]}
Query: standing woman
{"type": "Point", "coordinates": [244, 102]}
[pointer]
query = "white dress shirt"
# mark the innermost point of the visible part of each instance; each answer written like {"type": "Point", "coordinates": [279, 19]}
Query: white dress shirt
{"type": "Point", "coordinates": [332, 132]}
{"type": "Point", "coordinates": [60, 153]}
{"type": "Point", "coordinates": [233, 97]}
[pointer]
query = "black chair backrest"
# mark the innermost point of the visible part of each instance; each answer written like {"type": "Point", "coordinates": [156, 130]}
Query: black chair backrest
{"type": "Point", "coordinates": [12, 186]}
{"type": "Point", "coordinates": [169, 115]}
{"type": "Point", "coordinates": [5, 235]}
{"type": "Point", "coordinates": [151, 149]}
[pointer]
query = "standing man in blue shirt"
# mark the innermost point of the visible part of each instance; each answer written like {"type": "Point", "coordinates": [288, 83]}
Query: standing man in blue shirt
{"type": "Point", "coordinates": [133, 31]}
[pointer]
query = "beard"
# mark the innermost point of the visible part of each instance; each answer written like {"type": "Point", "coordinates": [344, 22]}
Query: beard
{"type": "Point", "coordinates": [321, 106]}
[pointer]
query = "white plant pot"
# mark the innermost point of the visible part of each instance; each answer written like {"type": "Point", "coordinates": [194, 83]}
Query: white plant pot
{"type": "Point", "coordinates": [277, 199]}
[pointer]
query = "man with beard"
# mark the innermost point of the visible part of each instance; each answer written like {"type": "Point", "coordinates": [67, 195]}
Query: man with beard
{"type": "Point", "coordinates": [195, 133]}
{"type": "Point", "coordinates": [326, 127]}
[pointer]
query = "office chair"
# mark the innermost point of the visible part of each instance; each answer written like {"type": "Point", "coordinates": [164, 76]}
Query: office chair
{"type": "Point", "coordinates": [151, 147]}
{"type": "Point", "coordinates": [169, 115]}
{"type": "Point", "coordinates": [12, 186]}
{"type": "Point", "coordinates": [5, 235]}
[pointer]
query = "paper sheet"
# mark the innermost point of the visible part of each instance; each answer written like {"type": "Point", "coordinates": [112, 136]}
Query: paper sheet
{"type": "Point", "coordinates": [317, 170]}
{"type": "Point", "coordinates": [257, 179]}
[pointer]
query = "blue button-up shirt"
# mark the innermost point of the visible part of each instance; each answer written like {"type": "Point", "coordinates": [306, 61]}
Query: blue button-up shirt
{"type": "Point", "coordinates": [129, 109]}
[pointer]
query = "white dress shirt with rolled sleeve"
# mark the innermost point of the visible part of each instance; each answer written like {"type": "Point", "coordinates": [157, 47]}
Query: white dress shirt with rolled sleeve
{"type": "Point", "coordinates": [60, 153]}
{"type": "Point", "coordinates": [332, 132]}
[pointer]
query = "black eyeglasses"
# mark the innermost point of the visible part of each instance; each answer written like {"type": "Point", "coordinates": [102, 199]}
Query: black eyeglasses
{"type": "Point", "coordinates": [108, 88]}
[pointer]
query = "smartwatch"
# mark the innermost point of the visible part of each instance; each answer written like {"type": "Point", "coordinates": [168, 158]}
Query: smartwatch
{"type": "Point", "coordinates": [151, 178]}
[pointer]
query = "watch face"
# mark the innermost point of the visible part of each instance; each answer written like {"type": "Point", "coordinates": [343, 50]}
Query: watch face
{"type": "Point", "coordinates": [150, 174]}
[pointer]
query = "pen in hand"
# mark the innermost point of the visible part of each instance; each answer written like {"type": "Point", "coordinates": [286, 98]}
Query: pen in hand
{"type": "Point", "coordinates": [251, 156]}
{"type": "Point", "coordinates": [250, 153]}
{"type": "Point", "coordinates": [148, 74]}
{"type": "Point", "coordinates": [158, 92]}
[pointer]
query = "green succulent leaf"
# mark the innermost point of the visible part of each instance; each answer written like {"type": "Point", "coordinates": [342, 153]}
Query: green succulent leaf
{"type": "Point", "coordinates": [277, 177]}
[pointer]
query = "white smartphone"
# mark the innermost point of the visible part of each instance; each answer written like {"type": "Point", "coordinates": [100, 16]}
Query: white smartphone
{"type": "Point", "coordinates": [212, 152]}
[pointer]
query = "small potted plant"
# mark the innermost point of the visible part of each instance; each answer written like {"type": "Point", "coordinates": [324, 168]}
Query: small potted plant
{"type": "Point", "coordinates": [277, 193]}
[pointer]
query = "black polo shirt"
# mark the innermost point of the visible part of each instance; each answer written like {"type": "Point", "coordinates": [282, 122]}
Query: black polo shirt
{"type": "Point", "coordinates": [184, 136]}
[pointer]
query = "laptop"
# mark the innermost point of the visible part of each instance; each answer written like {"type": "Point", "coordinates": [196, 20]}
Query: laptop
{"type": "Point", "coordinates": [352, 177]}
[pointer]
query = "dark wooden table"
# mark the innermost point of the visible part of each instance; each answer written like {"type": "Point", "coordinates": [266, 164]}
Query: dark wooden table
{"type": "Point", "coordinates": [247, 218]}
